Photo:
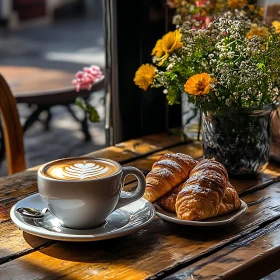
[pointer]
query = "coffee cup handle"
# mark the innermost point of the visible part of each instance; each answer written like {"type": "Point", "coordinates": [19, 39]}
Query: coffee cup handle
{"type": "Point", "coordinates": [129, 197]}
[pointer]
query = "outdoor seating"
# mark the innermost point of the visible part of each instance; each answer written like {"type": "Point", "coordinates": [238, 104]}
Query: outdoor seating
{"type": "Point", "coordinates": [51, 88]}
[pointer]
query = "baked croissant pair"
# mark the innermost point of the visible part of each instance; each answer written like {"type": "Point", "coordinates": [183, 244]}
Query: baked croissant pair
{"type": "Point", "coordinates": [191, 189]}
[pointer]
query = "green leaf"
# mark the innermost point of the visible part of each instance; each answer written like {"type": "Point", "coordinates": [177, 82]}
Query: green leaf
{"type": "Point", "coordinates": [260, 65]}
{"type": "Point", "coordinates": [93, 114]}
{"type": "Point", "coordinates": [80, 102]}
{"type": "Point", "coordinates": [89, 109]}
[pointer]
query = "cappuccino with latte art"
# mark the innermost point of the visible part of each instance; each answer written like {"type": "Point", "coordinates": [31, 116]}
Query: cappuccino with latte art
{"type": "Point", "coordinates": [82, 191]}
{"type": "Point", "coordinates": [80, 169]}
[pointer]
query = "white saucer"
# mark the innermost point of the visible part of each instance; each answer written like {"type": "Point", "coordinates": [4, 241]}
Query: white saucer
{"type": "Point", "coordinates": [216, 221]}
{"type": "Point", "coordinates": [121, 222]}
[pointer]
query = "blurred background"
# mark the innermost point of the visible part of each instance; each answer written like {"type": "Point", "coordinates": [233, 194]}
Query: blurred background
{"type": "Point", "coordinates": [48, 41]}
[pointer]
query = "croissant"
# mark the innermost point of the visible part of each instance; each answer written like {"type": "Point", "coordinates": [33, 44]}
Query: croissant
{"type": "Point", "coordinates": [230, 201]}
{"type": "Point", "coordinates": [168, 201]}
{"type": "Point", "coordinates": [211, 164]}
{"type": "Point", "coordinates": [169, 171]}
{"type": "Point", "coordinates": [202, 193]}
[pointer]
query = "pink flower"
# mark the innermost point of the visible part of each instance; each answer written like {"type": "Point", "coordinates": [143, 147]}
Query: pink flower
{"type": "Point", "coordinates": [205, 21]}
{"type": "Point", "coordinates": [87, 78]}
{"type": "Point", "coordinates": [200, 3]}
{"type": "Point", "coordinates": [171, 4]}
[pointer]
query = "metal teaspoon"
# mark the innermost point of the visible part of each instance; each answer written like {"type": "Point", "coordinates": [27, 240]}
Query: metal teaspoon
{"type": "Point", "coordinates": [32, 212]}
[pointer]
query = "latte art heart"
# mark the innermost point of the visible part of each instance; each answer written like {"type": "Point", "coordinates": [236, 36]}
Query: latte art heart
{"type": "Point", "coordinates": [80, 170]}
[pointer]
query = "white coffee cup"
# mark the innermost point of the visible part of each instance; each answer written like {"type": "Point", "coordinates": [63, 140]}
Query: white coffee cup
{"type": "Point", "coordinates": [81, 192]}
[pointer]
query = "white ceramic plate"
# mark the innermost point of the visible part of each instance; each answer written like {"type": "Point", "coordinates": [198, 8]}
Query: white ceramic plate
{"type": "Point", "coordinates": [216, 221]}
{"type": "Point", "coordinates": [121, 222]}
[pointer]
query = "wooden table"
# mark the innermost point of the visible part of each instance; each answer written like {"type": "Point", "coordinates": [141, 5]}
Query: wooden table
{"type": "Point", "coordinates": [42, 89]}
{"type": "Point", "coordinates": [246, 249]}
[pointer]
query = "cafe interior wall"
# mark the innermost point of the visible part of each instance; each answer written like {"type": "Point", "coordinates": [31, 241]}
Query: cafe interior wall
{"type": "Point", "coordinates": [129, 40]}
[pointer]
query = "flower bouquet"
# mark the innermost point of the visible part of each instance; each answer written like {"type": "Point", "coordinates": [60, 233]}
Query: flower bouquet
{"type": "Point", "coordinates": [230, 71]}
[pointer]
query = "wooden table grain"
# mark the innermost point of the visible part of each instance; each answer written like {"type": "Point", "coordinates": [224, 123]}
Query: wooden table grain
{"type": "Point", "coordinates": [246, 249]}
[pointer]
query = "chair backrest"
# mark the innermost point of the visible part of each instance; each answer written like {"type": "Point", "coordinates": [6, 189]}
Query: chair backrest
{"type": "Point", "coordinates": [12, 129]}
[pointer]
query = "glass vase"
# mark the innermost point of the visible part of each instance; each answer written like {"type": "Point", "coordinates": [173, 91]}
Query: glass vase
{"type": "Point", "coordinates": [190, 119]}
{"type": "Point", "coordinates": [238, 139]}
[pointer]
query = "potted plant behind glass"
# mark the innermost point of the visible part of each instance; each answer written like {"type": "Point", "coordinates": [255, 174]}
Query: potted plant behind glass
{"type": "Point", "coordinates": [84, 80]}
{"type": "Point", "coordinates": [230, 71]}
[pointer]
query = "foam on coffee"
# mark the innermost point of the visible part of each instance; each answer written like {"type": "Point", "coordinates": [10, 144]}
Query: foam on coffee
{"type": "Point", "coordinates": [80, 169]}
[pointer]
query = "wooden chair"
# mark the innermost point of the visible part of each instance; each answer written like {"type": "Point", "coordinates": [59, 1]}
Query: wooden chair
{"type": "Point", "coordinates": [12, 129]}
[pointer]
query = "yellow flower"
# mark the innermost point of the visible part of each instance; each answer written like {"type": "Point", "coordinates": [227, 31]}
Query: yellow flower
{"type": "Point", "coordinates": [236, 4]}
{"type": "Point", "coordinates": [257, 11]}
{"type": "Point", "coordinates": [157, 50]}
{"type": "Point", "coordinates": [261, 11]}
{"type": "Point", "coordinates": [257, 31]}
{"type": "Point", "coordinates": [144, 76]}
{"type": "Point", "coordinates": [169, 42]}
{"type": "Point", "coordinates": [251, 7]}
{"type": "Point", "coordinates": [276, 25]}
{"type": "Point", "coordinates": [199, 84]}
